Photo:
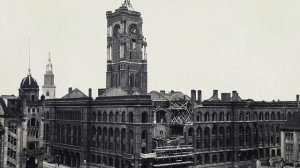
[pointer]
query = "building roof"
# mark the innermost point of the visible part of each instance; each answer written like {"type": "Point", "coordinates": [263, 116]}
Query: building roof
{"type": "Point", "coordinates": [172, 96]}
{"type": "Point", "coordinates": [29, 83]}
{"type": "Point", "coordinates": [293, 123]}
{"type": "Point", "coordinates": [114, 92]}
{"type": "Point", "coordinates": [76, 93]}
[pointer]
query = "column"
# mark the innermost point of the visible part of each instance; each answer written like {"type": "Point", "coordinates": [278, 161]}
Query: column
{"type": "Point", "coordinates": [282, 144]}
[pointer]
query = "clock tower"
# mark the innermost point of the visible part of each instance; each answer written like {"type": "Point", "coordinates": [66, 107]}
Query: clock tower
{"type": "Point", "coordinates": [49, 87]}
{"type": "Point", "coordinates": [126, 51]}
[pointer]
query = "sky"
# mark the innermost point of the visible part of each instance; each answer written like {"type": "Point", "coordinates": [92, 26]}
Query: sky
{"type": "Point", "coordinates": [251, 46]}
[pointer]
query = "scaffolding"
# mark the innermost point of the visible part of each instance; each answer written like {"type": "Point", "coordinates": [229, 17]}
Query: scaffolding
{"type": "Point", "coordinates": [173, 156]}
{"type": "Point", "coordinates": [180, 112]}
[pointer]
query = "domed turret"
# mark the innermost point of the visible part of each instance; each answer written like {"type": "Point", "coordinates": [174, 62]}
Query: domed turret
{"type": "Point", "coordinates": [29, 88]}
{"type": "Point", "coordinates": [29, 83]}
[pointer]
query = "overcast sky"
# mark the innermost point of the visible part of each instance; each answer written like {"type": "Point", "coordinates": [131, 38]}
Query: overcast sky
{"type": "Point", "coordinates": [250, 46]}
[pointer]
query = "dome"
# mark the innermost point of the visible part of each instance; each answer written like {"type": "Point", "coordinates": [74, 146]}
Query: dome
{"type": "Point", "coordinates": [29, 83]}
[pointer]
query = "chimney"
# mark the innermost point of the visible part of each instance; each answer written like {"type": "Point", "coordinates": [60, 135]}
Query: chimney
{"type": "Point", "coordinates": [193, 95]}
{"type": "Point", "coordinates": [162, 92]}
{"type": "Point", "coordinates": [215, 93]}
{"type": "Point", "coordinates": [235, 95]}
{"type": "Point", "coordinates": [199, 96]}
{"type": "Point", "coordinates": [70, 89]}
{"type": "Point", "coordinates": [100, 92]}
{"type": "Point", "coordinates": [90, 92]}
{"type": "Point", "coordinates": [225, 97]}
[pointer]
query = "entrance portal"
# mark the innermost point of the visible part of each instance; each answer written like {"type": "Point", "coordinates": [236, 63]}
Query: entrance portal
{"type": "Point", "coordinates": [31, 163]}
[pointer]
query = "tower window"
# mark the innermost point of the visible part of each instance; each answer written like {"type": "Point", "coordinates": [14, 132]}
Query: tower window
{"type": "Point", "coordinates": [32, 98]}
{"type": "Point", "coordinates": [47, 93]}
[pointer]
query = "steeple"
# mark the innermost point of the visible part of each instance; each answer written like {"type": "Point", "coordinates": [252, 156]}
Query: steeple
{"type": "Point", "coordinates": [49, 65]}
{"type": "Point", "coordinates": [29, 70]}
{"type": "Point", "coordinates": [49, 87]}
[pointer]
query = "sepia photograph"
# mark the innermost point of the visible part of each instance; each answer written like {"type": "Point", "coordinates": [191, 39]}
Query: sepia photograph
{"type": "Point", "coordinates": [149, 84]}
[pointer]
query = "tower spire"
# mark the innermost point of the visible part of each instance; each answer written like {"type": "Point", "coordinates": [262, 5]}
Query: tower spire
{"type": "Point", "coordinates": [49, 58]}
{"type": "Point", "coordinates": [29, 70]}
{"type": "Point", "coordinates": [127, 4]}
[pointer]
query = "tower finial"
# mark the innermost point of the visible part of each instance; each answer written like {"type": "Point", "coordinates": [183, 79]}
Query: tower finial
{"type": "Point", "coordinates": [29, 70]}
{"type": "Point", "coordinates": [127, 4]}
{"type": "Point", "coordinates": [49, 58]}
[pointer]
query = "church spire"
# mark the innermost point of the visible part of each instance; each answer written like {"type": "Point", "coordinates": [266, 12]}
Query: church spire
{"type": "Point", "coordinates": [49, 65]}
{"type": "Point", "coordinates": [29, 70]}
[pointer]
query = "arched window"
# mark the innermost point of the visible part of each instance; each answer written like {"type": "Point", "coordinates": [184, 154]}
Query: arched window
{"type": "Point", "coordinates": [99, 134]}
{"type": "Point", "coordinates": [267, 134]}
{"type": "Point", "coordinates": [206, 138]}
{"type": "Point", "coordinates": [214, 116]}
{"type": "Point", "coordinates": [130, 141]}
{"type": "Point", "coordinates": [99, 116]}
{"type": "Point", "coordinates": [105, 138]}
{"type": "Point", "coordinates": [123, 139]}
{"type": "Point", "coordinates": [144, 139]}
{"type": "Point", "coordinates": [255, 117]}
{"type": "Point", "coordinates": [93, 137]}
{"type": "Point", "coordinates": [123, 116]}
{"type": "Point", "coordinates": [47, 93]}
{"type": "Point", "coordinates": [228, 116]}
{"type": "Point", "coordinates": [272, 116]}
{"type": "Point", "coordinates": [228, 136]}
{"type": "Point", "coordinates": [214, 137]}
{"type": "Point", "coordinates": [116, 30]}
{"type": "Point", "coordinates": [241, 137]}
{"type": "Point", "coordinates": [221, 137]}
{"type": "Point", "coordinates": [289, 115]}
{"type": "Point", "coordinates": [248, 136]}
{"type": "Point", "coordinates": [206, 116]}
{"type": "Point", "coordinates": [144, 117]}
{"type": "Point", "coordinates": [94, 117]}
{"type": "Point", "coordinates": [247, 116]}
{"type": "Point", "coordinates": [117, 135]}
{"type": "Point", "coordinates": [278, 116]}
{"type": "Point", "coordinates": [283, 116]}
{"type": "Point", "coordinates": [131, 80]}
{"type": "Point", "coordinates": [241, 117]}
{"type": "Point", "coordinates": [111, 117]}
{"type": "Point", "coordinates": [111, 139]}
{"type": "Point", "coordinates": [130, 117]}
{"type": "Point", "coordinates": [199, 138]}
{"type": "Point", "coordinates": [74, 135]}
{"type": "Point", "coordinates": [117, 117]}
{"type": "Point", "coordinates": [261, 116]}
{"type": "Point", "coordinates": [199, 117]}
{"type": "Point", "coordinates": [104, 116]}
{"type": "Point", "coordinates": [221, 116]}
{"type": "Point", "coordinates": [261, 135]}
{"type": "Point", "coordinates": [267, 116]}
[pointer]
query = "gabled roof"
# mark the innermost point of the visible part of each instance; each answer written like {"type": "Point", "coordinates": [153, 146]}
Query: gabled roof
{"type": "Point", "coordinates": [114, 92]}
{"type": "Point", "coordinates": [76, 93]}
